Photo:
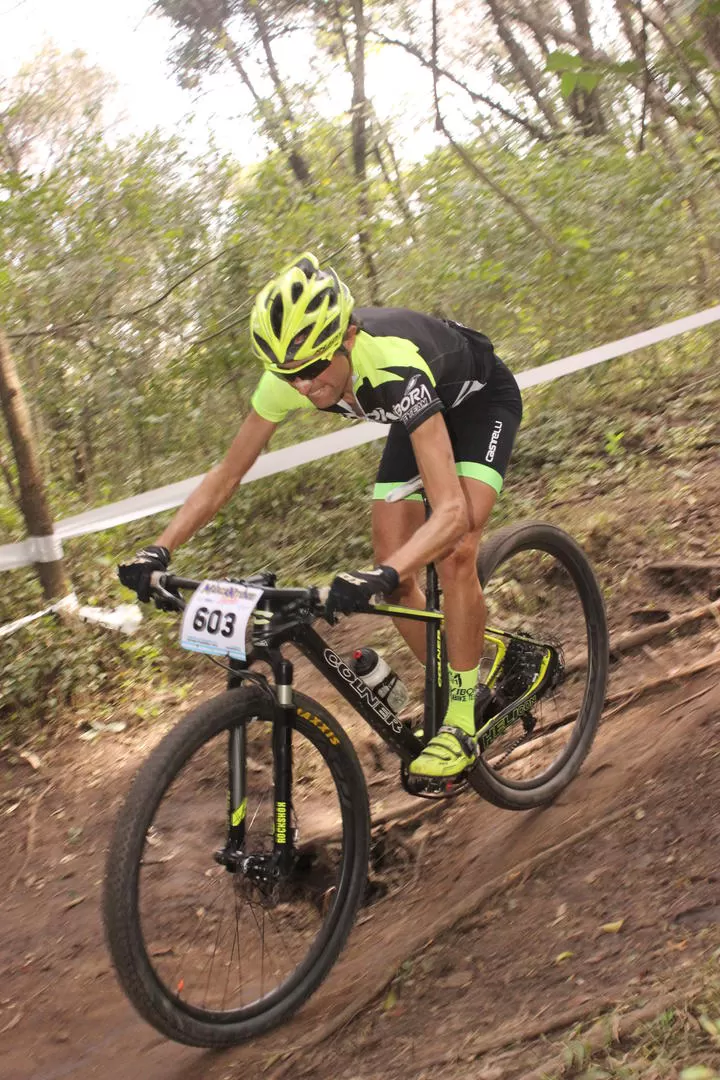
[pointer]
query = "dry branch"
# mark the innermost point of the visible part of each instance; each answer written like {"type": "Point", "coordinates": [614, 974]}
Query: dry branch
{"type": "Point", "coordinates": [606, 1032]}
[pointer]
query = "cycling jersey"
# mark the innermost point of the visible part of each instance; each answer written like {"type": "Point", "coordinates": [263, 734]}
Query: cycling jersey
{"type": "Point", "coordinates": [405, 368]}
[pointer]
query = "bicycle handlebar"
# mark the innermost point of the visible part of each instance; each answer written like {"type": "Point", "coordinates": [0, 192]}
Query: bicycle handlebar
{"type": "Point", "coordinates": [163, 585]}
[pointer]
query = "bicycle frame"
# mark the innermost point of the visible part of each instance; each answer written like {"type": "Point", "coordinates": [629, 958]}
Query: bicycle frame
{"type": "Point", "coordinates": [267, 644]}
{"type": "Point", "coordinates": [268, 637]}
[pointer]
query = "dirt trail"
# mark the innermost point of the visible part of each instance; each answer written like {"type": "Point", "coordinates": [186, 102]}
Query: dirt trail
{"type": "Point", "coordinates": [62, 1014]}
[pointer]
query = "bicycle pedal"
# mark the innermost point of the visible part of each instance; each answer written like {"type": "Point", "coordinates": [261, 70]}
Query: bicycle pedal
{"type": "Point", "coordinates": [432, 787]}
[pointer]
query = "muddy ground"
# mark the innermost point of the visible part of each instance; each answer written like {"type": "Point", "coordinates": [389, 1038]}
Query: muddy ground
{"type": "Point", "coordinates": [490, 935]}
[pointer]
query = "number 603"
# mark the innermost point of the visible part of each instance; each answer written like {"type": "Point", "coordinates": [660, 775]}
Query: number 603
{"type": "Point", "coordinates": [215, 621]}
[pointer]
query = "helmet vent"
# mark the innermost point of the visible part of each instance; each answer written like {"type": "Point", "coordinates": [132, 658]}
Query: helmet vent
{"type": "Point", "coordinates": [264, 347]}
{"type": "Point", "coordinates": [328, 331]}
{"type": "Point", "coordinates": [277, 310]}
{"type": "Point", "coordinates": [296, 292]}
{"type": "Point", "coordinates": [316, 301]}
{"type": "Point", "coordinates": [307, 267]}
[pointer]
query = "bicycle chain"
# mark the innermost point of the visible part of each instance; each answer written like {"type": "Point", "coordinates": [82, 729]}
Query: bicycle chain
{"type": "Point", "coordinates": [525, 737]}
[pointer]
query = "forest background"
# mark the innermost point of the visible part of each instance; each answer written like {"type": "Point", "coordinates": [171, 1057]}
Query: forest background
{"type": "Point", "coordinates": [571, 198]}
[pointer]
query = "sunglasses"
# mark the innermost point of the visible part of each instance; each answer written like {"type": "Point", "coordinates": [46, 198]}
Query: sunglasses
{"type": "Point", "coordinates": [309, 371]}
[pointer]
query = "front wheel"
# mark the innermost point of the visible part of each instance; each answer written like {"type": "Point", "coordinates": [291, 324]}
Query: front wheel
{"type": "Point", "coordinates": [211, 955]}
{"type": "Point", "coordinates": [547, 630]}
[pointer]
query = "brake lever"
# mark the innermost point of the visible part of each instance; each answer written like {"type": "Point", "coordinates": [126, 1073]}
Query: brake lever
{"type": "Point", "coordinates": [166, 600]}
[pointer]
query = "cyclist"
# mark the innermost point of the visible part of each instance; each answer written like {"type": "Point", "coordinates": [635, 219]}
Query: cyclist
{"type": "Point", "coordinates": [453, 409]}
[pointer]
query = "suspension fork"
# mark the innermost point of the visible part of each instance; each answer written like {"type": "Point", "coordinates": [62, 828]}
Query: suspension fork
{"type": "Point", "coordinates": [282, 763]}
{"type": "Point", "coordinates": [282, 729]}
{"type": "Point", "coordinates": [237, 772]}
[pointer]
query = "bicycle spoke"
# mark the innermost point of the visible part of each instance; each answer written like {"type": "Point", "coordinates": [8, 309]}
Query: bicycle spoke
{"type": "Point", "coordinates": [213, 936]}
{"type": "Point", "coordinates": [546, 661]}
{"type": "Point", "coordinates": [247, 937]}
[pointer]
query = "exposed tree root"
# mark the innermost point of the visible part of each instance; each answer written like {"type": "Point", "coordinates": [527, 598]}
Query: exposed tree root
{"type": "Point", "coordinates": [524, 1032]}
{"type": "Point", "coordinates": [634, 638]}
{"type": "Point", "coordinates": [372, 989]}
{"type": "Point", "coordinates": [32, 829]}
{"type": "Point", "coordinates": [622, 700]}
{"type": "Point", "coordinates": [674, 565]}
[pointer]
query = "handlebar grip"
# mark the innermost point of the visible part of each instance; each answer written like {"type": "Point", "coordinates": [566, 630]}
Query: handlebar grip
{"type": "Point", "coordinates": [161, 585]}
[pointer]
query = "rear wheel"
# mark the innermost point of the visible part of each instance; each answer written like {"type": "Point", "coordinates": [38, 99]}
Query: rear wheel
{"type": "Point", "coordinates": [208, 956]}
{"type": "Point", "coordinates": [545, 603]}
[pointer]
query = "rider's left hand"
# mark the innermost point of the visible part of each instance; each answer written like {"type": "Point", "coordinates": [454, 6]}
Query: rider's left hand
{"type": "Point", "coordinates": [352, 591]}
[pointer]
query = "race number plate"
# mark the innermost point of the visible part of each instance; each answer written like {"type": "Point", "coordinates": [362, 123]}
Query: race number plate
{"type": "Point", "coordinates": [216, 618]}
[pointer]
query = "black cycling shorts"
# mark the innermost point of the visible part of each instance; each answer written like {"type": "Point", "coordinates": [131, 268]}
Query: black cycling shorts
{"type": "Point", "coordinates": [482, 431]}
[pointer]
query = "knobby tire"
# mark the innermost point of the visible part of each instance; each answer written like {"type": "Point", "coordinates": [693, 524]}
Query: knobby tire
{"type": "Point", "coordinates": [154, 1000]}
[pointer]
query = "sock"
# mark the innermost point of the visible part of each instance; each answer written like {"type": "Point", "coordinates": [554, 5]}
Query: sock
{"type": "Point", "coordinates": [461, 706]}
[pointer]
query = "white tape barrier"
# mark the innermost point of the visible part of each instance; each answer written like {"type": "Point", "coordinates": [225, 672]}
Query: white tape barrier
{"type": "Point", "coordinates": [68, 604]}
{"type": "Point", "coordinates": [125, 617]}
{"type": "Point", "coordinates": [46, 549]}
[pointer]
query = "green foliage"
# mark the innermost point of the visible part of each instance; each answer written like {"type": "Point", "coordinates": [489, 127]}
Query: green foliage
{"type": "Point", "coordinates": [143, 261]}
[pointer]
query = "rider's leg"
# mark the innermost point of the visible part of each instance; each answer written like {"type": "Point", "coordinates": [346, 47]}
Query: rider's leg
{"type": "Point", "coordinates": [392, 525]}
{"type": "Point", "coordinates": [465, 617]}
{"type": "Point", "coordinates": [463, 600]}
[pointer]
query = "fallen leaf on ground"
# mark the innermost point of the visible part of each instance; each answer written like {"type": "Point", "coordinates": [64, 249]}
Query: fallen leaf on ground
{"type": "Point", "coordinates": [74, 903]}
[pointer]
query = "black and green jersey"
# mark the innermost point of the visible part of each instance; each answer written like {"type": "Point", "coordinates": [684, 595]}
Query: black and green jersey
{"type": "Point", "coordinates": [406, 367]}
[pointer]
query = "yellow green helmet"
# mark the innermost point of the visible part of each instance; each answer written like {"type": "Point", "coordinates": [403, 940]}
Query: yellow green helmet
{"type": "Point", "coordinates": [301, 315]}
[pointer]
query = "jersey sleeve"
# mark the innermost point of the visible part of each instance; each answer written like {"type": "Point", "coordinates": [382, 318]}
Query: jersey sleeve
{"type": "Point", "coordinates": [274, 398]}
{"type": "Point", "coordinates": [415, 400]}
{"type": "Point", "coordinates": [399, 387]}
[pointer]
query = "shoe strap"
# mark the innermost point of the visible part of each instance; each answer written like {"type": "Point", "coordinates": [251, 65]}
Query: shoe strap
{"type": "Point", "coordinates": [466, 741]}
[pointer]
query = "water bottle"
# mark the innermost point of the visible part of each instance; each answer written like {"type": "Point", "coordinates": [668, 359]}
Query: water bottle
{"type": "Point", "coordinates": [380, 677]}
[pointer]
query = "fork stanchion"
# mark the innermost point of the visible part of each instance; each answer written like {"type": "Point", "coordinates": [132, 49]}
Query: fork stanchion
{"type": "Point", "coordinates": [282, 763]}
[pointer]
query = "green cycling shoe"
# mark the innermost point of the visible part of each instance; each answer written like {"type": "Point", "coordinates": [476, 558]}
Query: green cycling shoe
{"type": "Point", "coordinates": [447, 755]}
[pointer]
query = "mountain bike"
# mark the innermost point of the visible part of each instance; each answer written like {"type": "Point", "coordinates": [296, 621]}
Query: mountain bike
{"type": "Point", "coordinates": [240, 856]}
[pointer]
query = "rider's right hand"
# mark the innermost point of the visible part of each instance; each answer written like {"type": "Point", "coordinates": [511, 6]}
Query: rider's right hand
{"type": "Point", "coordinates": [136, 574]}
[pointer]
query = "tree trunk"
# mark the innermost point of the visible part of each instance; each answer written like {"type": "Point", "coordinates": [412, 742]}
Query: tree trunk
{"type": "Point", "coordinates": [474, 166]}
{"type": "Point", "coordinates": [710, 29]}
{"type": "Point", "coordinates": [532, 128]}
{"type": "Point", "coordinates": [33, 502]}
{"type": "Point", "coordinates": [294, 150]}
{"type": "Point", "coordinates": [585, 105]}
{"type": "Point", "coordinates": [358, 126]}
{"type": "Point", "coordinates": [394, 183]}
{"type": "Point", "coordinates": [522, 64]}
{"type": "Point", "coordinates": [273, 126]}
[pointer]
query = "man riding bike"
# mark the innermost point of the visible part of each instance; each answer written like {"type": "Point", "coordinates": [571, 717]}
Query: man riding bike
{"type": "Point", "coordinates": [453, 409]}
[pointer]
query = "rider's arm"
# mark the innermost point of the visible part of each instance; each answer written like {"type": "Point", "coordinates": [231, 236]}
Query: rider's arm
{"type": "Point", "coordinates": [449, 521]}
{"type": "Point", "coordinates": [217, 486]}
